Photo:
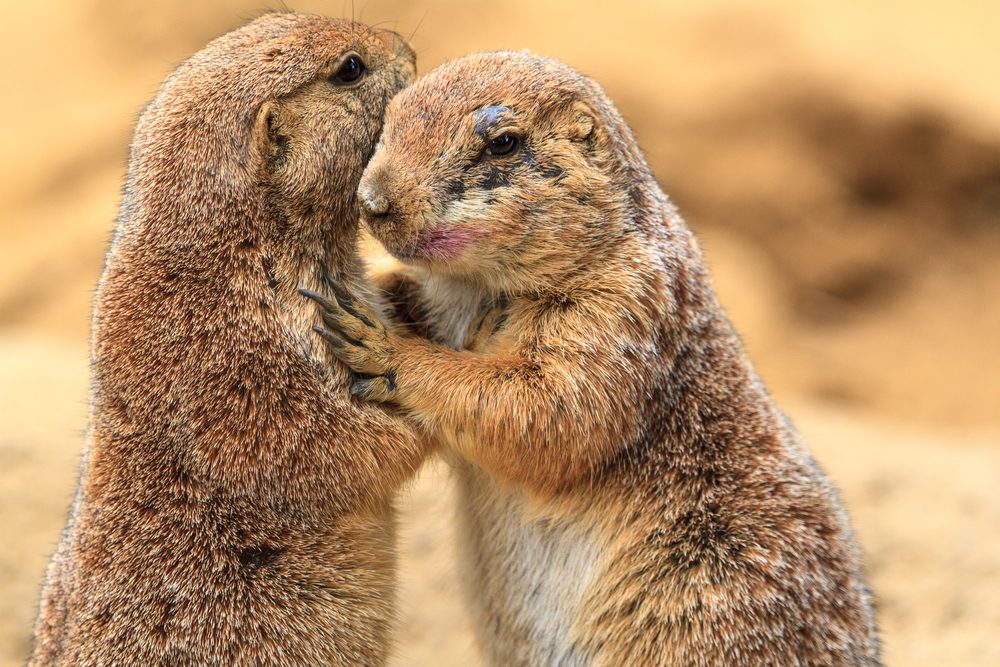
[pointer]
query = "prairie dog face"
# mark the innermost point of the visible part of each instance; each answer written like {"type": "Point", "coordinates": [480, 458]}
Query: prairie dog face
{"type": "Point", "coordinates": [287, 108]}
{"type": "Point", "coordinates": [317, 139]}
{"type": "Point", "coordinates": [495, 167]}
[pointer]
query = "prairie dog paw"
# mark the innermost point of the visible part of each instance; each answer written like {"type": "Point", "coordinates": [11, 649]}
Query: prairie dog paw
{"type": "Point", "coordinates": [358, 338]}
{"type": "Point", "coordinates": [380, 388]}
{"type": "Point", "coordinates": [484, 326]}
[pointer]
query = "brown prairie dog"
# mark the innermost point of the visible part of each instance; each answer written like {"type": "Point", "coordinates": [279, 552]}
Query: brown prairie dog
{"type": "Point", "coordinates": [234, 503]}
{"type": "Point", "coordinates": [630, 494]}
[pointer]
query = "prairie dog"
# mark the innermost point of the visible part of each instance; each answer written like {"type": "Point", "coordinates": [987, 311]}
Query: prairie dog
{"type": "Point", "coordinates": [631, 495]}
{"type": "Point", "coordinates": [234, 502]}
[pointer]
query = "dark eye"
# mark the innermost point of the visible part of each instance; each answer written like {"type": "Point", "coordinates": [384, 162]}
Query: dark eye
{"type": "Point", "coordinates": [505, 144]}
{"type": "Point", "coordinates": [349, 72]}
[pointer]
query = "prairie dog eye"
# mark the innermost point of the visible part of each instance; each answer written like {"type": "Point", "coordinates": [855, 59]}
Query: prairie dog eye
{"type": "Point", "coordinates": [505, 144]}
{"type": "Point", "coordinates": [352, 69]}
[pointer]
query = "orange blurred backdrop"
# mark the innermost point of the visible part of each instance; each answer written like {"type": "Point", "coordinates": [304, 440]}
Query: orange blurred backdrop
{"type": "Point", "coordinates": [839, 161]}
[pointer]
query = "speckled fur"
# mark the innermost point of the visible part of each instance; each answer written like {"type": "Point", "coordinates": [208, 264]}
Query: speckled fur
{"type": "Point", "coordinates": [234, 502]}
{"type": "Point", "coordinates": [630, 494]}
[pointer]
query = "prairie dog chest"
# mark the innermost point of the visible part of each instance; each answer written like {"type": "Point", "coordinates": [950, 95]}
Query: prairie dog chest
{"type": "Point", "coordinates": [451, 308]}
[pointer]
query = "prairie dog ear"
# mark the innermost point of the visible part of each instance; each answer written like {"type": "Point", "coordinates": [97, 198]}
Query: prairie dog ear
{"type": "Point", "coordinates": [581, 121]}
{"type": "Point", "coordinates": [270, 142]}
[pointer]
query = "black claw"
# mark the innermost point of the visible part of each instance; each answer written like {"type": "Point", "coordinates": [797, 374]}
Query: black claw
{"type": "Point", "coordinates": [333, 338]}
{"type": "Point", "coordinates": [324, 303]}
{"type": "Point", "coordinates": [335, 334]}
{"type": "Point", "coordinates": [338, 328]}
{"type": "Point", "coordinates": [390, 379]}
{"type": "Point", "coordinates": [362, 385]}
{"type": "Point", "coordinates": [361, 388]}
{"type": "Point", "coordinates": [337, 287]}
{"type": "Point", "coordinates": [341, 293]}
{"type": "Point", "coordinates": [353, 341]}
{"type": "Point", "coordinates": [347, 304]}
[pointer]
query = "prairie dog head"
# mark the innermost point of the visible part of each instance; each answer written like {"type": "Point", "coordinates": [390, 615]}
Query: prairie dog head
{"type": "Point", "coordinates": [505, 168]}
{"type": "Point", "coordinates": [317, 139]}
{"type": "Point", "coordinates": [271, 122]}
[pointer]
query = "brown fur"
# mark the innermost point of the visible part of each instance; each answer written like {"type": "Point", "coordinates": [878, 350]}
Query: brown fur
{"type": "Point", "coordinates": [234, 503]}
{"type": "Point", "coordinates": [630, 493]}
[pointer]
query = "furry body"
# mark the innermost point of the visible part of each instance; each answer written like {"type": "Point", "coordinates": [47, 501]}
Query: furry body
{"type": "Point", "coordinates": [630, 494]}
{"type": "Point", "coordinates": [234, 502]}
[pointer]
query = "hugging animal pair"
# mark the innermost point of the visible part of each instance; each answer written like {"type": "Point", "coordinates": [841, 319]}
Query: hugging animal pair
{"type": "Point", "coordinates": [629, 494]}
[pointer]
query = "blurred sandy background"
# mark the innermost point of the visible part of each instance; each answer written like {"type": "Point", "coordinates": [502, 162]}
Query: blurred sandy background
{"type": "Point", "coordinates": [841, 162]}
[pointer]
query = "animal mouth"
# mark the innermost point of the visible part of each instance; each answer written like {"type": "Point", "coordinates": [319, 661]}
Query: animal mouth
{"type": "Point", "coordinates": [443, 244]}
{"type": "Point", "coordinates": [447, 243]}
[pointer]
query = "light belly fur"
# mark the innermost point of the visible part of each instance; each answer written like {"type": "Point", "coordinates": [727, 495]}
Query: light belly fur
{"type": "Point", "coordinates": [527, 572]}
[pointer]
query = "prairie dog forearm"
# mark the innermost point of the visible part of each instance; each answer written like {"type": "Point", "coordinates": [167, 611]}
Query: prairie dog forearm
{"type": "Point", "coordinates": [529, 421]}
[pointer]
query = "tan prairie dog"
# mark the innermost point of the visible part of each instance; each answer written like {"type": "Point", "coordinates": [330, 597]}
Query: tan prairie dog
{"type": "Point", "coordinates": [233, 506]}
{"type": "Point", "coordinates": [630, 494]}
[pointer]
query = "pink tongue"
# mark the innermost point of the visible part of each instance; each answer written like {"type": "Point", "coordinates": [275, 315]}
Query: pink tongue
{"type": "Point", "coordinates": [446, 244]}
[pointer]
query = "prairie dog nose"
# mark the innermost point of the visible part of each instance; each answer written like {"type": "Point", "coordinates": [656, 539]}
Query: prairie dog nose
{"type": "Point", "coordinates": [374, 204]}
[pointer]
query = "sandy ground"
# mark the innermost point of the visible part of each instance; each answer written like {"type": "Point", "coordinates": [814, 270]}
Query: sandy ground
{"type": "Point", "coordinates": [840, 161]}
